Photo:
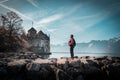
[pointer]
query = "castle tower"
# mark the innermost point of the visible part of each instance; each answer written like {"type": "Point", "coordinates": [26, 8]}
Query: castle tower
{"type": "Point", "coordinates": [31, 33]}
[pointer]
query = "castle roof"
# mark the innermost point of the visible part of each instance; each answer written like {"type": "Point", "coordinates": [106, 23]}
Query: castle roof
{"type": "Point", "coordinates": [32, 29]}
{"type": "Point", "coordinates": [43, 35]}
{"type": "Point", "coordinates": [40, 32]}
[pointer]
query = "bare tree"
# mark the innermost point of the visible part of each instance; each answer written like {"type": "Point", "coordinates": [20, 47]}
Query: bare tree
{"type": "Point", "coordinates": [12, 22]}
{"type": "Point", "coordinates": [12, 25]}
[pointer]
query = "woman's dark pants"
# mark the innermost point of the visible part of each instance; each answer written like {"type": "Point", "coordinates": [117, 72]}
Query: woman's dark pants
{"type": "Point", "coordinates": [72, 51]}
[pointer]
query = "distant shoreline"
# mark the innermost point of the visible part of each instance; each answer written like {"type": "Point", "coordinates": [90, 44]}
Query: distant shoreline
{"type": "Point", "coordinates": [80, 54]}
{"type": "Point", "coordinates": [88, 52]}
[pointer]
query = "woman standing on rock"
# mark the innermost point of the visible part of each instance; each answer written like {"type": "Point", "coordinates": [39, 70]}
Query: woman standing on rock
{"type": "Point", "coordinates": [72, 44]}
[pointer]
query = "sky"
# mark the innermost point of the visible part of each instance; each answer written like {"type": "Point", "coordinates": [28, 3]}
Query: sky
{"type": "Point", "coordinates": [86, 19]}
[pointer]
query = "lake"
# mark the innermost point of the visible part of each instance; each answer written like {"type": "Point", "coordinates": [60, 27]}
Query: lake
{"type": "Point", "coordinates": [79, 54]}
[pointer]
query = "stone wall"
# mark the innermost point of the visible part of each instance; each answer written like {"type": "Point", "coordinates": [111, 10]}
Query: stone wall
{"type": "Point", "coordinates": [40, 46]}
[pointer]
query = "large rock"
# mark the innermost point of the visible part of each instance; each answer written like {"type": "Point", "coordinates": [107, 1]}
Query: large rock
{"type": "Point", "coordinates": [3, 71]}
{"type": "Point", "coordinates": [92, 73]}
{"type": "Point", "coordinates": [76, 64]}
{"type": "Point", "coordinates": [66, 65]}
{"type": "Point", "coordinates": [80, 77]}
{"type": "Point", "coordinates": [33, 67]}
{"type": "Point", "coordinates": [16, 66]}
{"type": "Point", "coordinates": [113, 71]}
{"type": "Point", "coordinates": [16, 70]}
{"type": "Point", "coordinates": [36, 71]}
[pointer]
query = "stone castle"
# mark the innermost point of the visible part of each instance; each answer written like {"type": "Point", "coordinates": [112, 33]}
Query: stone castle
{"type": "Point", "coordinates": [39, 42]}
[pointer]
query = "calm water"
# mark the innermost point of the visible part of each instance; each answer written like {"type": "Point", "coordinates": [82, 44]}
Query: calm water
{"type": "Point", "coordinates": [79, 54]}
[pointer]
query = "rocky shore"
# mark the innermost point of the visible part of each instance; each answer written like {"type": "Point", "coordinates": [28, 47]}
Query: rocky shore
{"type": "Point", "coordinates": [33, 67]}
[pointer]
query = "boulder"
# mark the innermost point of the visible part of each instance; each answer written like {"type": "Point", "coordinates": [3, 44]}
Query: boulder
{"type": "Point", "coordinates": [15, 66]}
{"type": "Point", "coordinates": [113, 71]}
{"type": "Point", "coordinates": [33, 67]}
{"type": "Point", "coordinates": [66, 65]}
{"type": "Point", "coordinates": [76, 64]}
{"type": "Point", "coordinates": [80, 77]}
{"type": "Point", "coordinates": [92, 73]}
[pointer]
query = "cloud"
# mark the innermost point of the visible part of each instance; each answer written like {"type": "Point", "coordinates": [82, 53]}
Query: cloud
{"type": "Point", "coordinates": [89, 16]}
{"type": "Point", "coordinates": [102, 15]}
{"type": "Point", "coordinates": [44, 28]}
{"type": "Point", "coordinates": [73, 9]}
{"type": "Point", "coordinates": [16, 11]}
{"type": "Point", "coordinates": [50, 19]}
{"type": "Point", "coordinates": [51, 30]}
{"type": "Point", "coordinates": [3, 1]}
{"type": "Point", "coordinates": [85, 22]}
{"type": "Point", "coordinates": [41, 23]}
{"type": "Point", "coordinates": [33, 2]}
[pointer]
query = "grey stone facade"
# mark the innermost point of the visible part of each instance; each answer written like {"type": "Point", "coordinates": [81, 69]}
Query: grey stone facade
{"type": "Point", "coordinates": [39, 42]}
